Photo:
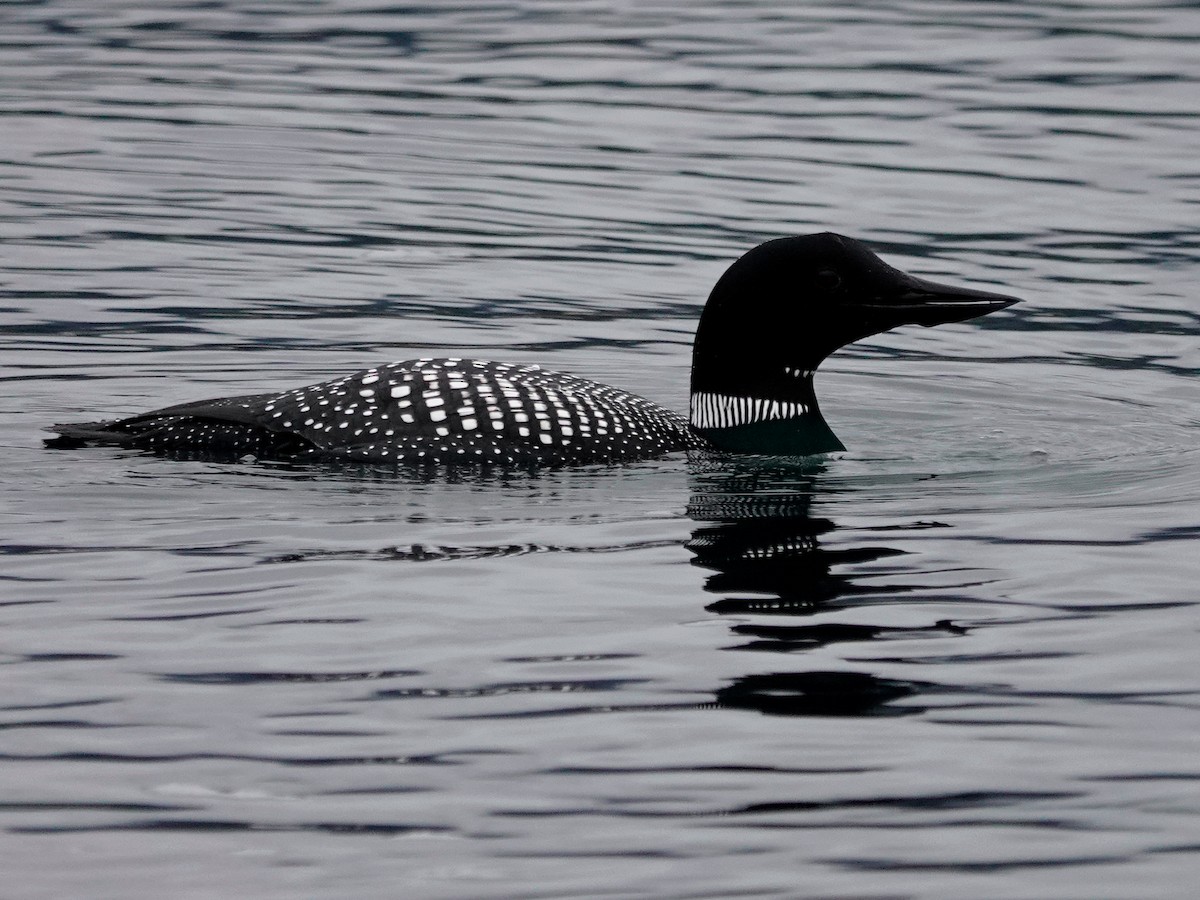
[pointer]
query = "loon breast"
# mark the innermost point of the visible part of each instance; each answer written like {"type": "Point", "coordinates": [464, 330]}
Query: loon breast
{"type": "Point", "coordinates": [420, 411]}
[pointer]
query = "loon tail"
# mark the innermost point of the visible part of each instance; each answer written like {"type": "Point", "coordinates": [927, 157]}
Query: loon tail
{"type": "Point", "coordinates": [211, 429]}
{"type": "Point", "coordinates": [81, 434]}
{"type": "Point", "coordinates": [228, 416]}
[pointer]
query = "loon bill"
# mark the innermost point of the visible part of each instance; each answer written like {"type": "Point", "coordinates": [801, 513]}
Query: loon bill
{"type": "Point", "coordinates": [772, 318]}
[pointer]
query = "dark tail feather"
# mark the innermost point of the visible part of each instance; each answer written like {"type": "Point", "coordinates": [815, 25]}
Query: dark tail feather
{"type": "Point", "coordinates": [183, 437]}
{"type": "Point", "coordinates": [238, 412]}
{"type": "Point", "coordinates": [81, 434]}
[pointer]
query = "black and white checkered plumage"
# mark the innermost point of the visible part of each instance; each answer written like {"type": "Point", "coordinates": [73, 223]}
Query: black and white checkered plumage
{"type": "Point", "coordinates": [420, 411]}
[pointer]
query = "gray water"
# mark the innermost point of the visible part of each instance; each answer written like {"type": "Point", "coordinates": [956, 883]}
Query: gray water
{"type": "Point", "coordinates": [958, 660]}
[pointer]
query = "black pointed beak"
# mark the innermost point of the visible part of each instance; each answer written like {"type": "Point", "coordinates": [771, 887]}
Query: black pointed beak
{"type": "Point", "coordinates": [920, 302]}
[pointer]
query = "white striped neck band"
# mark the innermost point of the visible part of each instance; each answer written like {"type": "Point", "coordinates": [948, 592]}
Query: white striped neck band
{"type": "Point", "coordinates": [725, 411]}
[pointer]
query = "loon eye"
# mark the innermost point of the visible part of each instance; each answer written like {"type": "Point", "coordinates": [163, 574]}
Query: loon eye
{"type": "Point", "coordinates": [828, 280]}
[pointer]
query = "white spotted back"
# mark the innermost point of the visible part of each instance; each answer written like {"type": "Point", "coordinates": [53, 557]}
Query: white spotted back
{"type": "Point", "coordinates": [459, 410]}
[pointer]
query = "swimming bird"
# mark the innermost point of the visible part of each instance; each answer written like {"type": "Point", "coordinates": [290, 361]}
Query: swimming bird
{"type": "Point", "coordinates": [770, 321]}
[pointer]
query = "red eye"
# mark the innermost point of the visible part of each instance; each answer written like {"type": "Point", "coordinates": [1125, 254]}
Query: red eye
{"type": "Point", "coordinates": [828, 280]}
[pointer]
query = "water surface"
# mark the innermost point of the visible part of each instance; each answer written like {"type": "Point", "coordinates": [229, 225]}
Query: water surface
{"type": "Point", "coordinates": [957, 660]}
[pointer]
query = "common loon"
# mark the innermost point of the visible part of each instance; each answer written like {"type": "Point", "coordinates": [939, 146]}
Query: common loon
{"type": "Point", "coordinates": [772, 318]}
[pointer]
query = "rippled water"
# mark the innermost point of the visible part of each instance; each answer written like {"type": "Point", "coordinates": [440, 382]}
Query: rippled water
{"type": "Point", "coordinates": [958, 660]}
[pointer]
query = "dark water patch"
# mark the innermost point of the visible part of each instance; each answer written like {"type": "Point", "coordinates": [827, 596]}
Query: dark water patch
{"type": "Point", "coordinates": [69, 724]}
{"type": "Point", "coordinates": [820, 694]}
{"type": "Point", "coordinates": [922, 802]}
{"type": "Point", "coordinates": [573, 658]}
{"type": "Point", "coordinates": [423, 553]}
{"type": "Point", "coordinates": [769, 812]}
{"type": "Point", "coordinates": [578, 709]}
{"type": "Point", "coordinates": [967, 659]}
{"type": "Point", "coordinates": [1149, 776]}
{"type": "Point", "coordinates": [1006, 866]}
{"type": "Point", "coordinates": [671, 770]}
{"type": "Point", "coordinates": [301, 762]}
{"type": "Point", "coordinates": [6, 806]}
{"type": "Point", "coordinates": [65, 704]}
{"type": "Point", "coordinates": [369, 829]}
{"type": "Point", "coordinates": [503, 690]}
{"type": "Point", "coordinates": [306, 621]}
{"type": "Point", "coordinates": [802, 638]}
{"type": "Point", "coordinates": [249, 678]}
{"type": "Point", "coordinates": [190, 616]}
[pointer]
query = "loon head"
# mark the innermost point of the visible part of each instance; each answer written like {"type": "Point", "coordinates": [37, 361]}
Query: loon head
{"type": "Point", "coordinates": [778, 312]}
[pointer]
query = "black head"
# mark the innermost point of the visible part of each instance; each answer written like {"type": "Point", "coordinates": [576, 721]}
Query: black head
{"type": "Point", "coordinates": [787, 304]}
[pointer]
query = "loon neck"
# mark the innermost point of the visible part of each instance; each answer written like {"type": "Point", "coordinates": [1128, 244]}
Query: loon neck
{"type": "Point", "coordinates": [781, 419]}
{"type": "Point", "coordinates": [801, 436]}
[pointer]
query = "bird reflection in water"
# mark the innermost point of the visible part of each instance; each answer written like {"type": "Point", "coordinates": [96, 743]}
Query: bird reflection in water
{"type": "Point", "coordinates": [771, 569]}
{"type": "Point", "coordinates": [757, 535]}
